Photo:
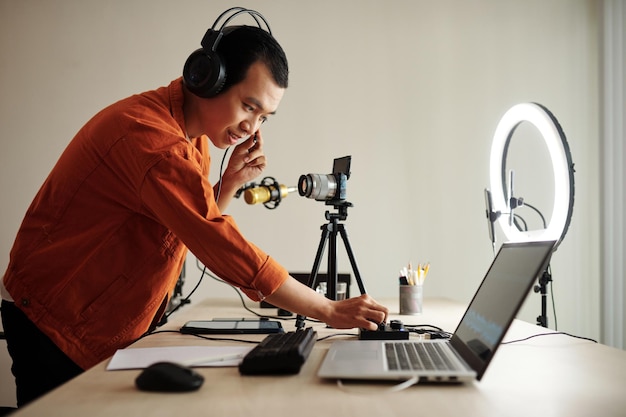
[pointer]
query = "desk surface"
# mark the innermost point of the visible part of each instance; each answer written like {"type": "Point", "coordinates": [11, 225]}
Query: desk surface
{"type": "Point", "coordinates": [549, 376]}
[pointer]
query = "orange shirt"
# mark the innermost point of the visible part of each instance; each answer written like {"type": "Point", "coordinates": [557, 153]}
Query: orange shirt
{"type": "Point", "coordinates": [104, 240]}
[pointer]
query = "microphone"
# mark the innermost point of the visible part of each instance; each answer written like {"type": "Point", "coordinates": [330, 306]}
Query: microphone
{"type": "Point", "coordinates": [269, 192]}
{"type": "Point", "coordinates": [266, 193]}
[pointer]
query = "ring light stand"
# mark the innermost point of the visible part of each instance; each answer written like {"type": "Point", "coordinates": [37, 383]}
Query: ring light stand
{"type": "Point", "coordinates": [500, 199]}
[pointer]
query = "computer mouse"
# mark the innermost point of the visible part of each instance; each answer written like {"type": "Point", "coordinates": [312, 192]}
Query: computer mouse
{"type": "Point", "coordinates": [168, 377]}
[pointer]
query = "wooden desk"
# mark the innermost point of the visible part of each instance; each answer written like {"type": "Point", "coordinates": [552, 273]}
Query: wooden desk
{"type": "Point", "coordinates": [547, 376]}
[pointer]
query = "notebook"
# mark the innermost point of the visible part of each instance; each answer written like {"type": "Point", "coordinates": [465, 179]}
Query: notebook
{"type": "Point", "coordinates": [466, 355]}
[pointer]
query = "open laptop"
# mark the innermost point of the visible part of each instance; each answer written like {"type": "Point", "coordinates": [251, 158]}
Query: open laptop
{"type": "Point", "coordinates": [467, 354]}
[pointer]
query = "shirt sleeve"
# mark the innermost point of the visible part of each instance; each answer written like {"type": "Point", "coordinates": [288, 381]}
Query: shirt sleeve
{"type": "Point", "coordinates": [177, 195]}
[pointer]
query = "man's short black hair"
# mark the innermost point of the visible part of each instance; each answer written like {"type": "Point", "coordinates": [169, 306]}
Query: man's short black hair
{"type": "Point", "coordinates": [243, 46]}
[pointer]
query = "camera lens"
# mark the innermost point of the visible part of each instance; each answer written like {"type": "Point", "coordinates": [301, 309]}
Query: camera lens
{"type": "Point", "coordinates": [319, 187]}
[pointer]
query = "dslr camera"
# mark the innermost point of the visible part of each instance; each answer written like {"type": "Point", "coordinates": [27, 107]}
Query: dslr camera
{"type": "Point", "coordinates": [327, 187]}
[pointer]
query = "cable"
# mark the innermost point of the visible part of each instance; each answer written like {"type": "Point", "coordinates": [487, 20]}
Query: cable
{"type": "Point", "coordinates": [243, 302]}
{"type": "Point", "coordinates": [402, 386]}
{"type": "Point", "coordinates": [204, 270]}
{"type": "Point", "coordinates": [184, 300]}
{"type": "Point", "coordinates": [412, 326]}
{"type": "Point", "coordinates": [549, 269]}
{"type": "Point", "coordinates": [433, 332]}
{"type": "Point", "coordinates": [219, 187]}
{"type": "Point", "coordinates": [218, 339]}
{"type": "Point", "coordinates": [543, 219]}
{"type": "Point", "coordinates": [549, 334]}
{"type": "Point", "coordinates": [536, 210]}
{"type": "Point", "coordinates": [556, 325]}
{"type": "Point", "coordinates": [517, 217]}
{"type": "Point", "coordinates": [337, 334]}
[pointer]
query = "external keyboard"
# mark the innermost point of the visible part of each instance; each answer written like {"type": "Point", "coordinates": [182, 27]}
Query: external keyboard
{"type": "Point", "coordinates": [279, 353]}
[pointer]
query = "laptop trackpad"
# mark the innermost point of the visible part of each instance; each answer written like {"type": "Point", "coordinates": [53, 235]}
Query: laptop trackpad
{"type": "Point", "coordinates": [356, 355]}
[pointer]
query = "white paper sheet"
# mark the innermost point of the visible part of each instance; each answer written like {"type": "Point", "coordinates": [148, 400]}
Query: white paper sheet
{"type": "Point", "coordinates": [194, 356]}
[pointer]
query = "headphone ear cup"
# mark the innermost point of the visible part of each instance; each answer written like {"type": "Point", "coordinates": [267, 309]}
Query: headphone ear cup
{"type": "Point", "coordinates": [204, 73]}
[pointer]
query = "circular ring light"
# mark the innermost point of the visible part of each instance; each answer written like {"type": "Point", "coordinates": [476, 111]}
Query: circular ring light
{"type": "Point", "coordinates": [562, 166]}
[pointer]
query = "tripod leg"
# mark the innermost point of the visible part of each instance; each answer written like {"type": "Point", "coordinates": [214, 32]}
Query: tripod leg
{"type": "Point", "coordinates": [355, 268]}
{"type": "Point", "coordinates": [318, 257]}
{"type": "Point", "coordinates": [331, 280]}
{"type": "Point", "coordinates": [312, 283]}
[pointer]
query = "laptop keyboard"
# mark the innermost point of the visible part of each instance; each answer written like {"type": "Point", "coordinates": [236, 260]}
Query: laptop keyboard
{"type": "Point", "coordinates": [417, 356]}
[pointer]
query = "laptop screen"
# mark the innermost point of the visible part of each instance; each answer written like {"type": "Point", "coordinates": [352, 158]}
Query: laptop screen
{"type": "Point", "coordinates": [498, 299]}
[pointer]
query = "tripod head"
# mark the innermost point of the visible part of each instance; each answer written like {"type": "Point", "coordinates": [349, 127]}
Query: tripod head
{"type": "Point", "coordinates": [342, 210]}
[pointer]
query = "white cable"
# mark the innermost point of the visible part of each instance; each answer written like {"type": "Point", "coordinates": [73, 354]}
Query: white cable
{"type": "Point", "coordinates": [402, 386]}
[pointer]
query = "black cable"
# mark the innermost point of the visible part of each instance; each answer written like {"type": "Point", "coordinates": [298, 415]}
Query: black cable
{"type": "Point", "coordinates": [185, 300]}
{"type": "Point", "coordinates": [218, 339]}
{"type": "Point", "coordinates": [413, 326]}
{"type": "Point", "coordinates": [243, 302]}
{"type": "Point", "coordinates": [337, 334]}
{"type": "Point", "coordinates": [543, 219]}
{"type": "Point", "coordinates": [549, 269]}
{"type": "Point", "coordinates": [549, 334]}
{"type": "Point", "coordinates": [556, 325]}
{"type": "Point", "coordinates": [188, 297]}
{"type": "Point", "coordinates": [428, 329]}
{"type": "Point", "coordinates": [517, 217]}
{"type": "Point", "coordinates": [219, 187]}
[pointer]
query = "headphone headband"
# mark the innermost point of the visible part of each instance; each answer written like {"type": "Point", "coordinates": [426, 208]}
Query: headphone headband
{"type": "Point", "coordinates": [240, 10]}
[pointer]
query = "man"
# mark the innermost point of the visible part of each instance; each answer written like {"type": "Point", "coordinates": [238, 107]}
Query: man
{"type": "Point", "coordinates": [102, 244]}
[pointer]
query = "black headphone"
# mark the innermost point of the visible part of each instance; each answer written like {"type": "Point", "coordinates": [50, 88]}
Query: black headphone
{"type": "Point", "coordinates": [204, 73]}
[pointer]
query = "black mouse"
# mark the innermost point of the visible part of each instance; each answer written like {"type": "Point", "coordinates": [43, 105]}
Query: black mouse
{"type": "Point", "coordinates": [168, 377]}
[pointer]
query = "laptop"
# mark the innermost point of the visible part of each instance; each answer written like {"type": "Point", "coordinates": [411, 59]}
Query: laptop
{"type": "Point", "coordinates": [466, 355]}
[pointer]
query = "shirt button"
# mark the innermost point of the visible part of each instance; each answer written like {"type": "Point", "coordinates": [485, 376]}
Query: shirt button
{"type": "Point", "coordinates": [25, 302]}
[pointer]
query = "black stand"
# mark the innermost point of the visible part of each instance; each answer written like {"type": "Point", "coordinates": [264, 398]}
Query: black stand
{"type": "Point", "coordinates": [542, 288]}
{"type": "Point", "coordinates": [329, 233]}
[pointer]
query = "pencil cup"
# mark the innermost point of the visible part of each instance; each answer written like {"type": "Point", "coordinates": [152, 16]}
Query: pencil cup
{"type": "Point", "coordinates": [411, 298]}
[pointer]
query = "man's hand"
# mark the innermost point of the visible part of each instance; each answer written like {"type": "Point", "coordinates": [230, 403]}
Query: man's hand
{"type": "Point", "coordinates": [246, 163]}
{"type": "Point", "coordinates": [362, 311]}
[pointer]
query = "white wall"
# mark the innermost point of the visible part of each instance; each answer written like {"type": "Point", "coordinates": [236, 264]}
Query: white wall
{"type": "Point", "coordinates": [413, 90]}
{"type": "Point", "coordinates": [613, 172]}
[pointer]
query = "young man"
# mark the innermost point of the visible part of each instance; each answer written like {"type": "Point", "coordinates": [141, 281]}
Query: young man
{"type": "Point", "coordinates": [102, 244]}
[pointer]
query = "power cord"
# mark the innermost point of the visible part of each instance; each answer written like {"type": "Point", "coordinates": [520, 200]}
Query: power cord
{"type": "Point", "coordinates": [428, 330]}
{"type": "Point", "coordinates": [524, 227]}
{"type": "Point", "coordinates": [549, 334]}
{"type": "Point", "coordinates": [243, 302]}
{"type": "Point", "coordinates": [399, 387]}
{"type": "Point", "coordinates": [201, 336]}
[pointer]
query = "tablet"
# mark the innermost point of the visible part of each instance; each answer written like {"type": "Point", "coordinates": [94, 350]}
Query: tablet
{"type": "Point", "coordinates": [232, 327]}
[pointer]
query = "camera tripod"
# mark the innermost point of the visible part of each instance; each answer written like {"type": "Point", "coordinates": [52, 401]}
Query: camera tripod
{"type": "Point", "coordinates": [329, 234]}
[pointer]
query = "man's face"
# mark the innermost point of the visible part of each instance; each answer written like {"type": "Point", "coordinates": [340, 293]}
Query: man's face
{"type": "Point", "coordinates": [239, 112]}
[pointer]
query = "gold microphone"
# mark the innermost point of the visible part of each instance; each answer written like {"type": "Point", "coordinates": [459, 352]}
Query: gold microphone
{"type": "Point", "coordinates": [267, 193]}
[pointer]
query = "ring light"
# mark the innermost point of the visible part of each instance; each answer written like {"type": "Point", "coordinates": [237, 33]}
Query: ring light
{"type": "Point", "coordinates": [563, 170]}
